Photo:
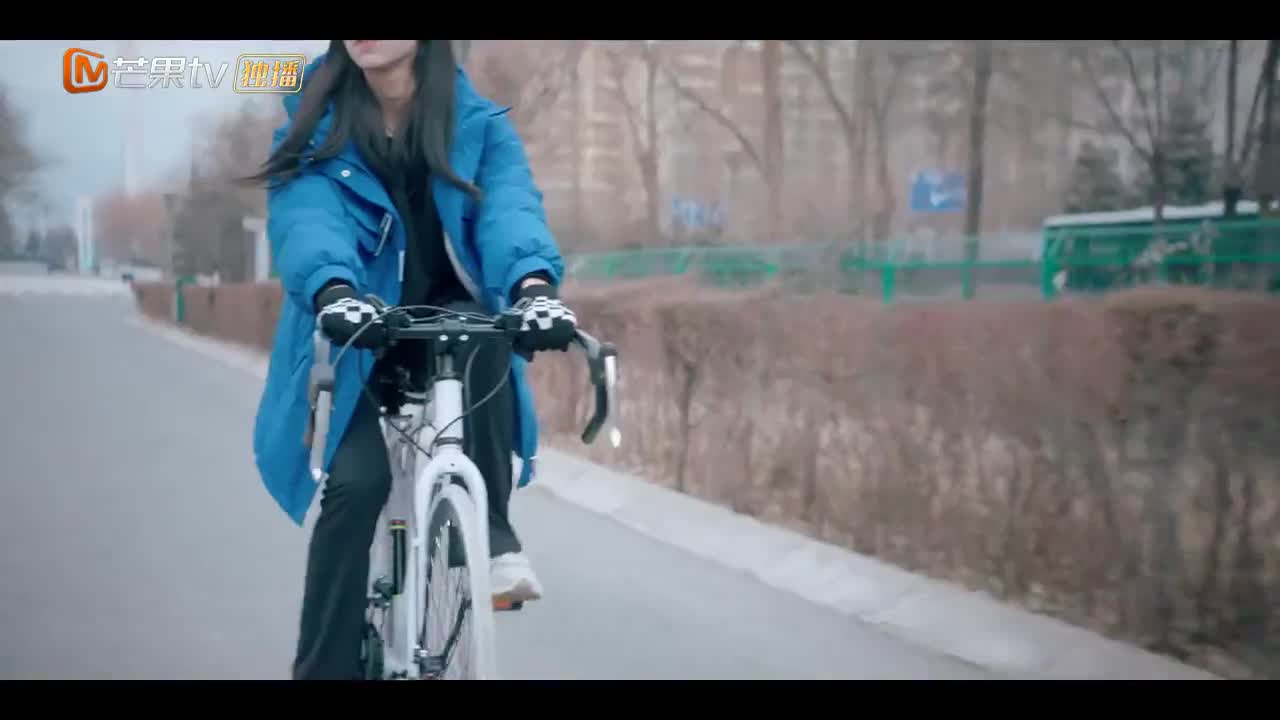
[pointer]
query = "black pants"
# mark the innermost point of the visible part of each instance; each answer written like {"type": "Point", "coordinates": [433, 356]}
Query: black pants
{"type": "Point", "coordinates": [337, 580]}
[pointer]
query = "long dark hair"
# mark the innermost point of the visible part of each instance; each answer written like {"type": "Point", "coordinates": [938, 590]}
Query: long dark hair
{"type": "Point", "coordinates": [357, 117]}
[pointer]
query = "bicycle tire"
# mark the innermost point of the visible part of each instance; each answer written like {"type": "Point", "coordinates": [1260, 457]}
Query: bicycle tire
{"type": "Point", "coordinates": [452, 537]}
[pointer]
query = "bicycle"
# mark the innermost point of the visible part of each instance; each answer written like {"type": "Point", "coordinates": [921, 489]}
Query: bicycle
{"type": "Point", "coordinates": [432, 507]}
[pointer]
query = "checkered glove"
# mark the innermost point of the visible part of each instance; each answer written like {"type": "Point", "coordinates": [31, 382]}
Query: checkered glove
{"type": "Point", "coordinates": [546, 323]}
{"type": "Point", "coordinates": [342, 314]}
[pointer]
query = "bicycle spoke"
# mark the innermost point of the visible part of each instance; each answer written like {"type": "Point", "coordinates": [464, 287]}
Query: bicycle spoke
{"type": "Point", "coordinates": [447, 610]}
{"type": "Point", "coordinates": [451, 643]}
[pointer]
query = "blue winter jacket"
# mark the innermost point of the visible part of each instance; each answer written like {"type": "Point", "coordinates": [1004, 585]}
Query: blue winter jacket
{"type": "Point", "coordinates": [335, 220]}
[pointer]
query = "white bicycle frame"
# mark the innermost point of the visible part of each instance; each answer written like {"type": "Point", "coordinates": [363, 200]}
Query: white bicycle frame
{"type": "Point", "coordinates": [416, 491]}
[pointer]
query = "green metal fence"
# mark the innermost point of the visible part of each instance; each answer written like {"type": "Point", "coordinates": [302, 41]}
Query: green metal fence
{"type": "Point", "coordinates": [1232, 254]}
{"type": "Point", "coordinates": [1074, 259]}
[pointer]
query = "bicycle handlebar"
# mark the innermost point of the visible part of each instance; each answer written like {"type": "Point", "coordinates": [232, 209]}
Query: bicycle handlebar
{"type": "Point", "coordinates": [450, 329]}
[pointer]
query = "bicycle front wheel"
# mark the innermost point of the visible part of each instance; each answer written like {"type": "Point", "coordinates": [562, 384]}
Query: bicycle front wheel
{"type": "Point", "coordinates": [457, 625]}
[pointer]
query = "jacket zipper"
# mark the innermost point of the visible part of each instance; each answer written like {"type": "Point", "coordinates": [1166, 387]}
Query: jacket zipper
{"type": "Point", "coordinates": [384, 230]}
{"type": "Point", "coordinates": [467, 282]}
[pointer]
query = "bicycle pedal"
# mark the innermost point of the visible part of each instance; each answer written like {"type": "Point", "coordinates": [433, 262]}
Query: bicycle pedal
{"type": "Point", "coordinates": [507, 606]}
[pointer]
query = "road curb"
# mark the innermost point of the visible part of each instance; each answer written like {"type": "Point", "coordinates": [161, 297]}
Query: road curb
{"type": "Point", "coordinates": [939, 616]}
{"type": "Point", "coordinates": [916, 609]}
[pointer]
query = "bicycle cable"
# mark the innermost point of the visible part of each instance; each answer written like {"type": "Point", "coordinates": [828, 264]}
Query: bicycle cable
{"type": "Point", "coordinates": [466, 382]}
{"type": "Point", "coordinates": [466, 373]}
{"type": "Point", "coordinates": [478, 317]}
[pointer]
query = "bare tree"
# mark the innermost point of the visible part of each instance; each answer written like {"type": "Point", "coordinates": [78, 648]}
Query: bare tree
{"type": "Point", "coordinates": [1147, 67]}
{"type": "Point", "coordinates": [766, 156]}
{"type": "Point", "coordinates": [982, 69]}
{"type": "Point", "coordinates": [1231, 180]}
{"type": "Point", "coordinates": [1031, 117]}
{"type": "Point", "coordinates": [997, 95]}
{"type": "Point", "coordinates": [207, 234]}
{"type": "Point", "coordinates": [529, 76]}
{"type": "Point", "coordinates": [975, 175]}
{"type": "Point", "coordinates": [814, 55]}
{"type": "Point", "coordinates": [774, 162]}
{"type": "Point", "coordinates": [540, 81]}
{"type": "Point", "coordinates": [1267, 179]}
{"type": "Point", "coordinates": [645, 143]}
{"type": "Point", "coordinates": [1025, 165]}
{"type": "Point", "coordinates": [10, 247]}
{"type": "Point", "coordinates": [883, 73]}
{"type": "Point", "coordinates": [1243, 138]}
{"type": "Point", "coordinates": [235, 145]}
{"type": "Point", "coordinates": [877, 75]}
{"type": "Point", "coordinates": [19, 161]}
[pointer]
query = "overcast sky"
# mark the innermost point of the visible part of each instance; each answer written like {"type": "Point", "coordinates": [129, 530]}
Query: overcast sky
{"type": "Point", "coordinates": [82, 135]}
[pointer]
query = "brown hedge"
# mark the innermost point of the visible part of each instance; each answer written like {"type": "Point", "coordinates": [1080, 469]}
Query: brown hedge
{"type": "Point", "coordinates": [1110, 462]}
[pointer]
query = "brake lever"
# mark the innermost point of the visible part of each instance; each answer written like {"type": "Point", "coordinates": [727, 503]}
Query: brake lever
{"type": "Point", "coordinates": [511, 321]}
{"type": "Point", "coordinates": [321, 381]}
{"type": "Point", "coordinates": [602, 361]}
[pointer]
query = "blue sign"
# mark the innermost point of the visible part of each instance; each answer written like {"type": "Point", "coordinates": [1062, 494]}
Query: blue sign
{"type": "Point", "coordinates": [937, 191]}
{"type": "Point", "coordinates": [694, 215]}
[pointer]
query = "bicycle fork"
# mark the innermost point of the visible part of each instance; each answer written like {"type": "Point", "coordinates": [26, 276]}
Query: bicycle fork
{"type": "Point", "coordinates": [399, 587]}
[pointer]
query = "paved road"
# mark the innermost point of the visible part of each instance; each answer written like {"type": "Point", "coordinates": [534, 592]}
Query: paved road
{"type": "Point", "coordinates": [137, 542]}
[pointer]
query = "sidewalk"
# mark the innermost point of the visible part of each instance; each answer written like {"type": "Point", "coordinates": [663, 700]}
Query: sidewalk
{"type": "Point", "coordinates": [927, 613]}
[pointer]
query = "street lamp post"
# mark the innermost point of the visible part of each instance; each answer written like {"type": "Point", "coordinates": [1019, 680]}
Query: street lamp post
{"type": "Point", "coordinates": [171, 213]}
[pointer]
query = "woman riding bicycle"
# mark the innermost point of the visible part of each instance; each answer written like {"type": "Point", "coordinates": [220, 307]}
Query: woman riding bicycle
{"type": "Point", "coordinates": [392, 176]}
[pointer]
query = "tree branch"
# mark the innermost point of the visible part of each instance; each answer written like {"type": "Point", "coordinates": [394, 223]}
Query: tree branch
{"type": "Point", "coordinates": [897, 69]}
{"type": "Point", "coordinates": [1206, 82]}
{"type": "Point", "coordinates": [1143, 103]}
{"type": "Point", "coordinates": [19, 160]}
{"type": "Point", "coordinates": [552, 72]}
{"type": "Point", "coordinates": [1157, 140]}
{"type": "Point", "coordinates": [718, 115]}
{"type": "Point", "coordinates": [824, 79]}
{"type": "Point", "coordinates": [618, 68]}
{"type": "Point", "coordinates": [1268, 71]}
{"type": "Point", "coordinates": [1112, 115]}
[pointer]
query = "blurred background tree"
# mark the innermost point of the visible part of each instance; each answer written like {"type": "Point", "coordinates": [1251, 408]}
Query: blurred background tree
{"type": "Point", "coordinates": [19, 163]}
{"type": "Point", "coordinates": [741, 142]}
{"type": "Point", "coordinates": [1095, 184]}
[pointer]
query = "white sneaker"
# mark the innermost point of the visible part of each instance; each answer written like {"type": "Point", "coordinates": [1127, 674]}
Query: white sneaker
{"type": "Point", "coordinates": [512, 580]}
